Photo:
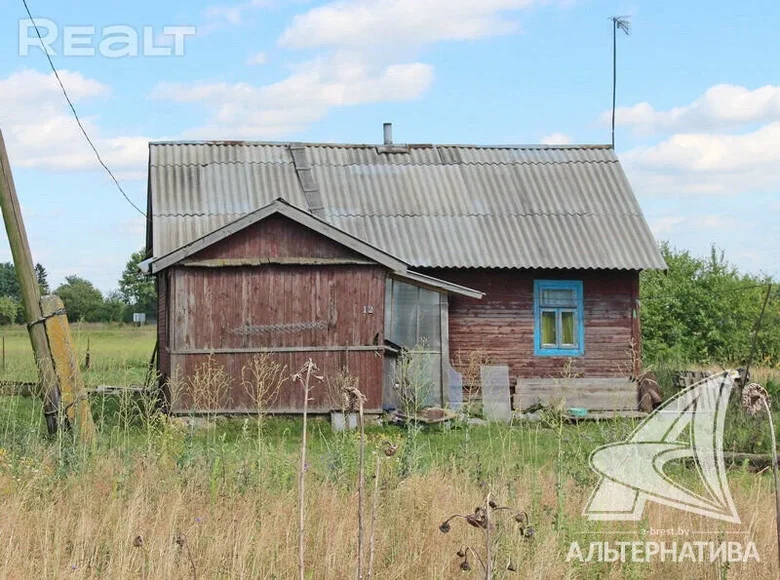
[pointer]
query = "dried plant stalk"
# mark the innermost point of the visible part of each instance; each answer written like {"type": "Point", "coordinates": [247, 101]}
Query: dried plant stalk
{"type": "Point", "coordinates": [488, 551]}
{"type": "Point", "coordinates": [353, 400]}
{"type": "Point", "coordinates": [361, 487]}
{"type": "Point", "coordinates": [262, 380]}
{"type": "Point", "coordinates": [481, 519]}
{"type": "Point", "coordinates": [374, 506]}
{"type": "Point", "coordinates": [754, 400]}
{"type": "Point", "coordinates": [775, 475]}
{"type": "Point", "coordinates": [389, 450]}
{"type": "Point", "coordinates": [305, 375]}
{"type": "Point", "coordinates": [209, 386]}
{"type": "Point", "coordinates": [469, 365]}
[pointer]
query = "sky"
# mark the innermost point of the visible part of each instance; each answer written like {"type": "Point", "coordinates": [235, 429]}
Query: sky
{"type": "Point", "coordinates": [698, 96]}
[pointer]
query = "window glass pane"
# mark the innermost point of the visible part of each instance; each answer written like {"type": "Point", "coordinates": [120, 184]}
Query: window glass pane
{"type": "Point", "coordinates": [567, 329]}
{"type": "Point", "coordinates": [559, 297]}
{"type": "Point", "coordinates": [549, 328]}
{"type": "Point", "coordinates": [430, 320]}
{"type": "Point", "coordinates": [404, 327]}
{"type": "Point", "coordinates": [434, 370]}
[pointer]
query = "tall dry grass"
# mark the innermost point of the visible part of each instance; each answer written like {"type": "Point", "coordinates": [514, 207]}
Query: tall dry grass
{"type": "Point", "coordinates": [158, 498]}
{"type": "Point", "coordinates": [86, 526]}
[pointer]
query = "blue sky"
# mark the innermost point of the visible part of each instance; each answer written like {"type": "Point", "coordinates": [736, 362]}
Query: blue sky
{"type": "Point", "coordinates": [698, 103]}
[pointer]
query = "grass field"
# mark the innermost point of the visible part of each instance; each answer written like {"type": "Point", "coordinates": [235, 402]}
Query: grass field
{"type": "Point", "coordinates": [160, 498]}
{"type": "Point", "coordinates": [119, 354]}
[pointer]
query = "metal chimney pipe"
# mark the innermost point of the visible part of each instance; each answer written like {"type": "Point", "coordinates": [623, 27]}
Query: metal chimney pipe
{"type": "Point", "coordinates": [388, 133]}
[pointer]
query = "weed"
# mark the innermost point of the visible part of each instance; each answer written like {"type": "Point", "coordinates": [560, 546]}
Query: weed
{"type": "Point", "coordinates": [483, 519]}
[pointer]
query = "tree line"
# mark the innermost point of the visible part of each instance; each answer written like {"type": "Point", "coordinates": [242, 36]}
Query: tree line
{"type": "Point", "coordinates": [83, 301]}
{"type": "Point", "coordinates": [704, 310]}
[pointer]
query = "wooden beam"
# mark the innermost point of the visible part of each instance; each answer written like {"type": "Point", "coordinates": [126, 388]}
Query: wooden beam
{"type": "Point", "coordinates": [292, 261]}
{"type": "Point", "coordinates": [277, 349]}
{"type": "Point", "coordinates": [441, 286]}
{"type": "Point", "coordinates": [28, 285]}
{"type": "Point", "coordinates": [445, 350]}
{"type": "Point", "coordinates": [272, 411]}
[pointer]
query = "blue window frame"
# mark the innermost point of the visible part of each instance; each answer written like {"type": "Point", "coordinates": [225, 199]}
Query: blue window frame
{"type": "Point", "coordinates": [559, 328]}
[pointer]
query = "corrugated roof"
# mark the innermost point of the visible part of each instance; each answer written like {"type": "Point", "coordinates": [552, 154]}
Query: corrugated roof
{"type": "Point", "coordinates": [432, 206]}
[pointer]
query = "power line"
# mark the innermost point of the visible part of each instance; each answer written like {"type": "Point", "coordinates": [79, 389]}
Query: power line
{"type": "Point", "coordinates": [75, 114]}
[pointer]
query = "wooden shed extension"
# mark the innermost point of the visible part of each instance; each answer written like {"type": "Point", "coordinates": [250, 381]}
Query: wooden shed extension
{"type": "Point", "coordinates": [278, 281]}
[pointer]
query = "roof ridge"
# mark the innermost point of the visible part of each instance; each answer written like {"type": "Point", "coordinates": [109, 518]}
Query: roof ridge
{"type": "Point", "coordinates": [487, 215]}
{"type": "Point", "coordinates": [331, 213]}
{"type": "Point", "coordinates": [240, 143]}
{"type": "Point", "coordinates": [461, 163]}
{"type": "Point", "coordinates": [353, 164]}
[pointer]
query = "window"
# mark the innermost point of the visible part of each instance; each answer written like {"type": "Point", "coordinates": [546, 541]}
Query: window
{"type": "Point", "coordinates": [413, 316]}
{"type": "Point", "coordinates": [558, 318]}
{"type": "Point", "coordinates": [413, 321]}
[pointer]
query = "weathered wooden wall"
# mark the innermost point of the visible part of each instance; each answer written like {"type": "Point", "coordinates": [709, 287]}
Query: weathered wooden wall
{"type": "Point", "coordinates": [502, 323]}
{"type": "Point", "coordinates": [313, 298]}
{"type": "Point", "coordinates": [278, 238]}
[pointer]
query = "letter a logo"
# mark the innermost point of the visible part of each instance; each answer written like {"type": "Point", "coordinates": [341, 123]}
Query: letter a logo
{"type": "Point", "coordinates": [687, 426]}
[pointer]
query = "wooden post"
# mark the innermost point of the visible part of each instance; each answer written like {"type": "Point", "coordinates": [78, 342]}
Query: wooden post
{"type": "Point", "coordinates": [75, 404]}
{"type": "Point", "coordinates": [50, 335]}
{"type": "Point", "coordinates": [28, 285]}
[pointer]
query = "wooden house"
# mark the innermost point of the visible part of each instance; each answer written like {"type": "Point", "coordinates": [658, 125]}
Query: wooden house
{"type": "Point", "coordinates": [528, 256]}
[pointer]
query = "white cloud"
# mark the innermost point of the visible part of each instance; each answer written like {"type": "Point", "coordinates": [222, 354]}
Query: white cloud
{"type": "Point", "coordinates": [664, 225]}
{"type": "Point", "coordinates": [370, 23]}
{"type": "Point", "coordinates": [135, 227]}
{"type": "Point", "coordinates": [708, 163]}
{"type": "Point", "coordinates": [715, 221]}
{"type": "Point", "coordinates": [720, 107]}
{"type": "Point", "coordinates": [242, 110]}
{"type": "Point", "coordinates": [234, 13]}
{"type": "Point", "coordinates": [257, 59]}
{"type": "Point", "coordinates": [724, 142]}
{"type": "Point", "coordinates": [40, 130]}
{"type": "Point", "coordinates": [556, 139]}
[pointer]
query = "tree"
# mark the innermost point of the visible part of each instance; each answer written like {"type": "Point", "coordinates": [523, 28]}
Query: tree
{"type": "Point", "coordinates": [82, 300]}
{"type": "Point", "coordinates": [9, 310]}
{"type": "Point", "coordinates": [43, 279]}
{"type": "Point", "coordinates": [114, 308]}
{"type": "Point", "coordinates": [137, 289]}
{"type": "Point", "coordinates": [9, 284]}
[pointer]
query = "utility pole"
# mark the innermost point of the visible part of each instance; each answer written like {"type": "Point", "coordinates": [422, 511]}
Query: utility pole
{"type": "Point", "coordinates": [52, 343]}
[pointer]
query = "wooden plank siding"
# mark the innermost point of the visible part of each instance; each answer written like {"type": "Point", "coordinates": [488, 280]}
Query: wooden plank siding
{"type": "Point", "coordinates": [502, 323]}
{"type": "Point", "coordinates": [277, 237]}
{"type": "Point", "coordinates": [332, 312]}
{"type": "Point", "coordinates": [163, 355]}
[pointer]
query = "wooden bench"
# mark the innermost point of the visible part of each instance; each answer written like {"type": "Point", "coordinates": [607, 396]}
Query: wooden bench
{"type": "Point", "coordinates": [593, 394]}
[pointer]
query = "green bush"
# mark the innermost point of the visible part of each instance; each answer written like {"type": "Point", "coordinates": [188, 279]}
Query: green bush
{"type": "Point", "coordinates": [703, 310]}
{"type": "Point", "coordinates": [9, 310]}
